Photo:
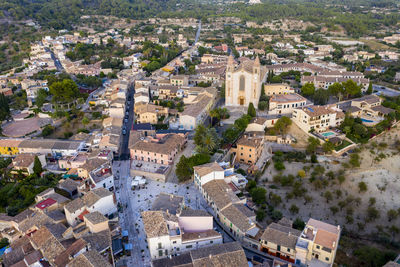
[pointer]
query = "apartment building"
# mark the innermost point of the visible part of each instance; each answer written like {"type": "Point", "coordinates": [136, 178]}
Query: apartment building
{"type": "Point", "coordinates": [168, 235]}
{"type": "Point", "coordinates": [227, 208]}
{"type": "Point", "coordinates": [195, 113]}
{"type": "Point", "coordinates": [317, 244]}
{"type": "Point", "coordinates": [227, 254]}
{"type": "Point", "coordinates": [285, 103]}
{"type": "Point", "coordinates": [161, 150]}
{"type": "Point", "coordinates": [369, 108]}
{"type": "Point", "coordinates": [326, 81]}
{"type": "Point", "coordinates": [51, 147]}
{"type": "Point", "coordinates": [248, 148]}
{"type": "Point", "coordinates": [317, 118]}
{"type": "Point", "coordinates": [180, 80]}
{"type": "Point", "coordinates": [277, 89]}
{"type": "Point", "coordinates": [279, 240]}
{"type": "Point", "coordinates": [100, 200]}
{"type": "Point", "coordinates": [150, 113]}
{"type": "Point", "coordinates": [24, 163]}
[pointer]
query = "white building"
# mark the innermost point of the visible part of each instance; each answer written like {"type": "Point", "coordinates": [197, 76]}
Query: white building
{"type": "Point", "coordinates": [286, 103]}
{"type": "Point", "coordinates": [100, 200]}
{"type": "Point", "coordinates": [317, 118]}
{"type": "Point", "coordinates": [168, 234]}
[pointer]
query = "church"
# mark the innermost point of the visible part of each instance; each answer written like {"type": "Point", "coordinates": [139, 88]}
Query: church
{"type": "Point", "coordinates": [243, 82]}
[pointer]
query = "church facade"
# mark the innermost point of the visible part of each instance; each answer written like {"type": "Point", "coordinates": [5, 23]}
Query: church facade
{"type": "Point", "coordinates": [243, 82]}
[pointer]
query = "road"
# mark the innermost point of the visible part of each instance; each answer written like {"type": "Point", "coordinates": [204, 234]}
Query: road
{"type": "Point", "coordinates": [196, 39]}
{"type": "Point", "coordinates": [124, 142]}
{"type": "Point", "coordinates": [85, 106]}
{"type": "Point", "coordinates": [130, 214]}
{"type": "Point", "coordinates": [382, 90]}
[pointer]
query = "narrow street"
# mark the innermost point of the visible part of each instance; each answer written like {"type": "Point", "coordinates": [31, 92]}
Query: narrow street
{"type": "Point", "coordinates": [134, 202]}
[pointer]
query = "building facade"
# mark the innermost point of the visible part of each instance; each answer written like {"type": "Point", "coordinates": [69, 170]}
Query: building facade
{"type": "Point", "coordinates": [243, 82]}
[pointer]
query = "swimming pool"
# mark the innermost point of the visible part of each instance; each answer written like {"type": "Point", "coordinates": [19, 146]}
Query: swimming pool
{"type": "Point", "coordinates": [365, 120]}
{"type": "Point", "coordinates": [327, 134]}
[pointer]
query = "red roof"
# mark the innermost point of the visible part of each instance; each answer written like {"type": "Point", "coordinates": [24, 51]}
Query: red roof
{"type": "Point", "coordinates": [233, 187]}
{"type": "Point", "coordinates": [45, 203]}
{"type": "Point", "coordinates": [83, 214]}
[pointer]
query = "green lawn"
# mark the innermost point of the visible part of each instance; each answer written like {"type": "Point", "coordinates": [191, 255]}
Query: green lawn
{"type": "Point", "coordinates": [344, 144]}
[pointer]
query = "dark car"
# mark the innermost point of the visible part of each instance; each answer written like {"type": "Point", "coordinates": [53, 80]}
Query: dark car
{"type": "Point", "coordinates": [139, 165]}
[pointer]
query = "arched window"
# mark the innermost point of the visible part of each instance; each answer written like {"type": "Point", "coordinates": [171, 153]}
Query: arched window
{"type": "Point", "coordinates": [242, 82]}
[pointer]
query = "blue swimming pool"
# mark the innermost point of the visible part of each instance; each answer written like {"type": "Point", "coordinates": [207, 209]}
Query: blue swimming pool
{"type": "Point", "coordinates": [365, 120]}
{"type": "Point", "coordinates": [327, 134]}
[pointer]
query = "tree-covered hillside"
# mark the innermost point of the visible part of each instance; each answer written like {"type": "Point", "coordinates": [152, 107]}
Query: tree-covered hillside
{"type": "Point", "coordinates": [354, 16]}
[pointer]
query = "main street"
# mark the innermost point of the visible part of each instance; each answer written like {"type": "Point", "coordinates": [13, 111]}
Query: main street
{"type": "Point", "coordinates": [134, 202]}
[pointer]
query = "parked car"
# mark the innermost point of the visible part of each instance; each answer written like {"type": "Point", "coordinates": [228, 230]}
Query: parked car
{"type": "Point", "coordinates": [139, 165]}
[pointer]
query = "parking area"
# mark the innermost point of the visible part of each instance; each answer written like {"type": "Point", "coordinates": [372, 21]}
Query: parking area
{"type": "Point", "coordinates": [142, 199]}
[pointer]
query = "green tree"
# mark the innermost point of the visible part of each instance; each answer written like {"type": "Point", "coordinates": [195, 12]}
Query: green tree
{"type": "Point", "coordinates": [336, 89]}
{"type": "Point", "coordinates": [308, 89]}
{"type": "Point", "coordinates": [275, 199]}
{"type": "Point", "coordinates": [85, 120]}
{"type": "Point", "coordinates": [251, 111]}
{"type": "Point", "coordinates": [320, 96]}
{"type": "Point", "coordinates": [199, 134]}
{"type": "Point", "coordinates": [65, 91]}
{"type": "Point", "coordinates": [313, 144]}
{"type": "Point", "coordinates": [40, 98]}
{"type": "Point", "coordinates": [327, 146]}
{"type": "Point", "coordinates": [182, 170]}
{"type": "Point", "coordinates": [351, 88]}
{"type": "Point", "coordinates": [282, 124]}
{"type": "Point", "coordinates": [260, 216]}
{"type": "Point", "coordinates": [37, 166]}
{"type": "Point", "coordinates": [4, 107]}
{"type": "Point", "coordinates": [258, 195]}
{"type": "Point", "coordinates": [370, 89]}
{"type": "Point", "coordinates": [299, 224]}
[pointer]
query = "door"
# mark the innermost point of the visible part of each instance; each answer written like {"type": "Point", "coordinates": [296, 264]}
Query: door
{"type": "Point", "coordinates": [241, 101]}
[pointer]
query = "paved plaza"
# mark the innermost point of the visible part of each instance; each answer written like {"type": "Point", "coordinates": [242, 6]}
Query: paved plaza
{"type": "Point", "coordinates": [138, 200]}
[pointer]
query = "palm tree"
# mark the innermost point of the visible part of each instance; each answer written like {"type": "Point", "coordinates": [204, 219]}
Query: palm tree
{"type": "Point", "coordinates": [223, 113]}
{"type": "Point", "coordinates": [213, 114]}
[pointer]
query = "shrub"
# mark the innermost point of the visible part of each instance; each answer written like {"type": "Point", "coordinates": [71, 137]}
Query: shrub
{"type": "Point", "coordinates": [301, 174]}
{"type": "Point", "coordinates": [362, 186]}
{"type": "Point", "coordinates": [279, 166]}
{"type": "Point", "coordinates": [294, 209]}
{"type": "Point", "coordinates": [260, 216]}
{"type": "Point", "coordinates": [299, 224]}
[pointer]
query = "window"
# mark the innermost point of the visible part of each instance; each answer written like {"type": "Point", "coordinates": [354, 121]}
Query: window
{"type": "Point", "coordinates": [174, 242]}
{"type": "Point", "coordinates": [189, 246]}
{"type": "Point", "coordinates": [279, 248]}
{"type": "Point", "coordinates": [326, 258]}
{"type": "Point", "coordinates": [160, 253]}
{"type": "Point", "coordinates": [288, 249]}
{"type": "Point", "coordinates": [242, 82]}
{"type": "Point", "coordinates": [318, 247]}
{"type": "Point", "coordinates": [211, 242]}
{"type": "Point", "coordinates": [159, 245]}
